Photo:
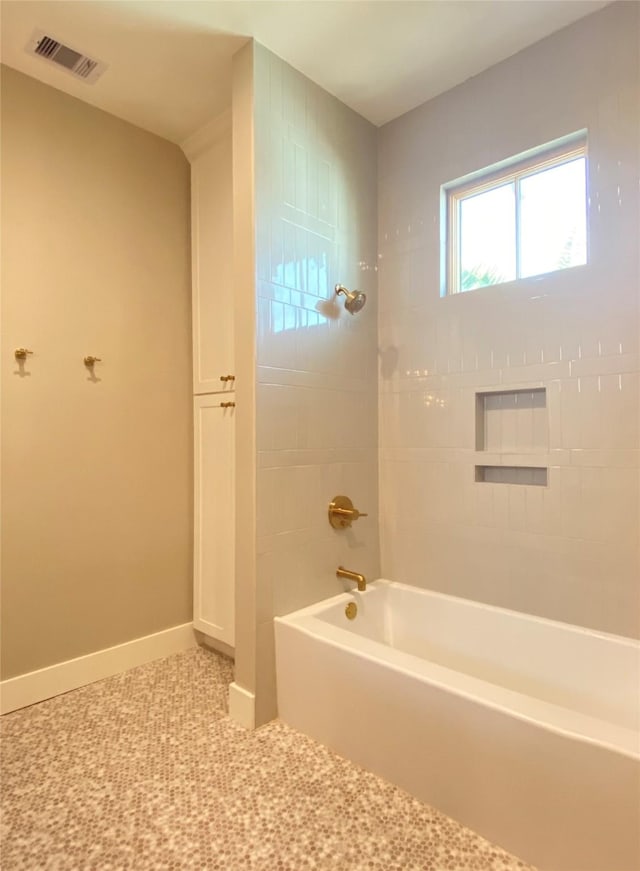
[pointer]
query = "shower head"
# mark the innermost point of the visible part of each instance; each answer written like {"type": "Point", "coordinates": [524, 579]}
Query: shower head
{"type": "Point", "coordinates": [355, 300]}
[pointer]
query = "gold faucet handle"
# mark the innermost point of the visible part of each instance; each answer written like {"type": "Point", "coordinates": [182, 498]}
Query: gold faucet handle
{"type": "Point", "coordinates": [342, 512]}
{"type": "Point", "coordinates": [353, 513]}
{"type": "Point", "coordinates": [90, 360]}
{"type": "Point", "coordinates": [21, 353]}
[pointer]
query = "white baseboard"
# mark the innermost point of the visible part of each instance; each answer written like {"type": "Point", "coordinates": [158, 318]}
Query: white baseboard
{"type": "Point", "coordinates": [36, 686]}
{"type": "Point", "coordinates": [242, 706]}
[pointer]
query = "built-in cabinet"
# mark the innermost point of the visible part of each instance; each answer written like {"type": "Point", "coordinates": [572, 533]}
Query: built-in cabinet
{"type": "Point", "coordinates": [214, 528]}
{"type": "Point", "coordinates": [209, 151]}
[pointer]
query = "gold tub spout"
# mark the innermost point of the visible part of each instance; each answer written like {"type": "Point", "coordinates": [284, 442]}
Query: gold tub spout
{"type": "Point", "coordinates": [352, 576]}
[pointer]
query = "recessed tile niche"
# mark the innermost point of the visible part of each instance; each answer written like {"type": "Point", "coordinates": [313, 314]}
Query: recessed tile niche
{"type": "Point", "coordinates": [512, 422]}
{"type": "Point", "coordinates": [531, 475]}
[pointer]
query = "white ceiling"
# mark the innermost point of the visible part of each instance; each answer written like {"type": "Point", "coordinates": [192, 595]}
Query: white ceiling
{"type": "Point", "coordinates": [170, 60]}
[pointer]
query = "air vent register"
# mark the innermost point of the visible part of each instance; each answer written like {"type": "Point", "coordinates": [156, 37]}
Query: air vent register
{"type": "Point", "coordinates": [51, 49]}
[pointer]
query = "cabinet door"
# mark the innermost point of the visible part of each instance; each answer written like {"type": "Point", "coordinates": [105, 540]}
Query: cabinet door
{"type": "Point", "coordinates": [212, 263]}
{"type": "Point", "coordinates": [214, 519]}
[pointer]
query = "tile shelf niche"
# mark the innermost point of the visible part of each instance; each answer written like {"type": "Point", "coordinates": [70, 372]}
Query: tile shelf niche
{"type": "Point", "coordinates": [530, 475]}
{"type": "Point", "coordinates": [512, 436]}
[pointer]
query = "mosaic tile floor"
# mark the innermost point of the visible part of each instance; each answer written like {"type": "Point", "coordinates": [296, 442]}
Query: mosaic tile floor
{"type": "Point", "coordinates": [145, 771]}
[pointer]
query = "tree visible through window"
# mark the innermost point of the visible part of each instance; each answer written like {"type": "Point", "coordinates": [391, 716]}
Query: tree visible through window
{"type": "Point", "coordinates": [527, 219]}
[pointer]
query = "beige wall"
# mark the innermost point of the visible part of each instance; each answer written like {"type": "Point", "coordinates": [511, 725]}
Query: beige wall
{"type": "Point", "coordinates": [316, 402]}
{"type": "Point", "coordinates": [570, 550]}
{"type": "Point", "coordinates": [96, 473]}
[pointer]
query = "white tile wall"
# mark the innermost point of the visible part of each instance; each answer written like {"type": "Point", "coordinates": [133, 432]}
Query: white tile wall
{"type": "Point", "coordinates": [569, 550]}
{"type": "Point", "coordinates": [316, 415]}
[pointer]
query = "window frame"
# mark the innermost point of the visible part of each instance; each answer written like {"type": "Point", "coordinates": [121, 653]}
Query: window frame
{"type": "Point", "coordinates": [513, 171]}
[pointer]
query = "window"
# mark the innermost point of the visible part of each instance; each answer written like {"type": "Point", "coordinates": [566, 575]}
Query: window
{"type": "Point", "coordinates": [526, 217]}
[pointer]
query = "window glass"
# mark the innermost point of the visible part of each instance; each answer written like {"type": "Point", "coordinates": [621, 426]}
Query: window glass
{"type": "Point", "coordinates": [488, 238]}
{"type": "Point", "coordinates": [553, 224]}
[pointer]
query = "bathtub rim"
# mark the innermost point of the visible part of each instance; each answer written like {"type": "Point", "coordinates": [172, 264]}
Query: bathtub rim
{"type": "Point", "coordinates": [559, 720]}
{"type": "Point", "coordinates": [317, 607]}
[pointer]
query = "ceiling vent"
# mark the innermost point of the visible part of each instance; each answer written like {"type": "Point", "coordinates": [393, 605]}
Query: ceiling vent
{"type": "Point", "coordinates": [49, 48]}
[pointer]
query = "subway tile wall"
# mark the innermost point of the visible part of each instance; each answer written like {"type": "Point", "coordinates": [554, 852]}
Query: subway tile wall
{"type": "Point", "coordinates": [567, 551]}
{"type": "Point", "coordinates": [316, 404]}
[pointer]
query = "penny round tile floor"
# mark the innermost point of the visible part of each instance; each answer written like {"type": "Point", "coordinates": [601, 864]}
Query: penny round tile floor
{"type": "Point", "coordinates": [145, 770]}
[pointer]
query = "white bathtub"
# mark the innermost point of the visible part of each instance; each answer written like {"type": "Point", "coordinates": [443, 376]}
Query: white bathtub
{"type": "Point", "coordinates": [523, 729]}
